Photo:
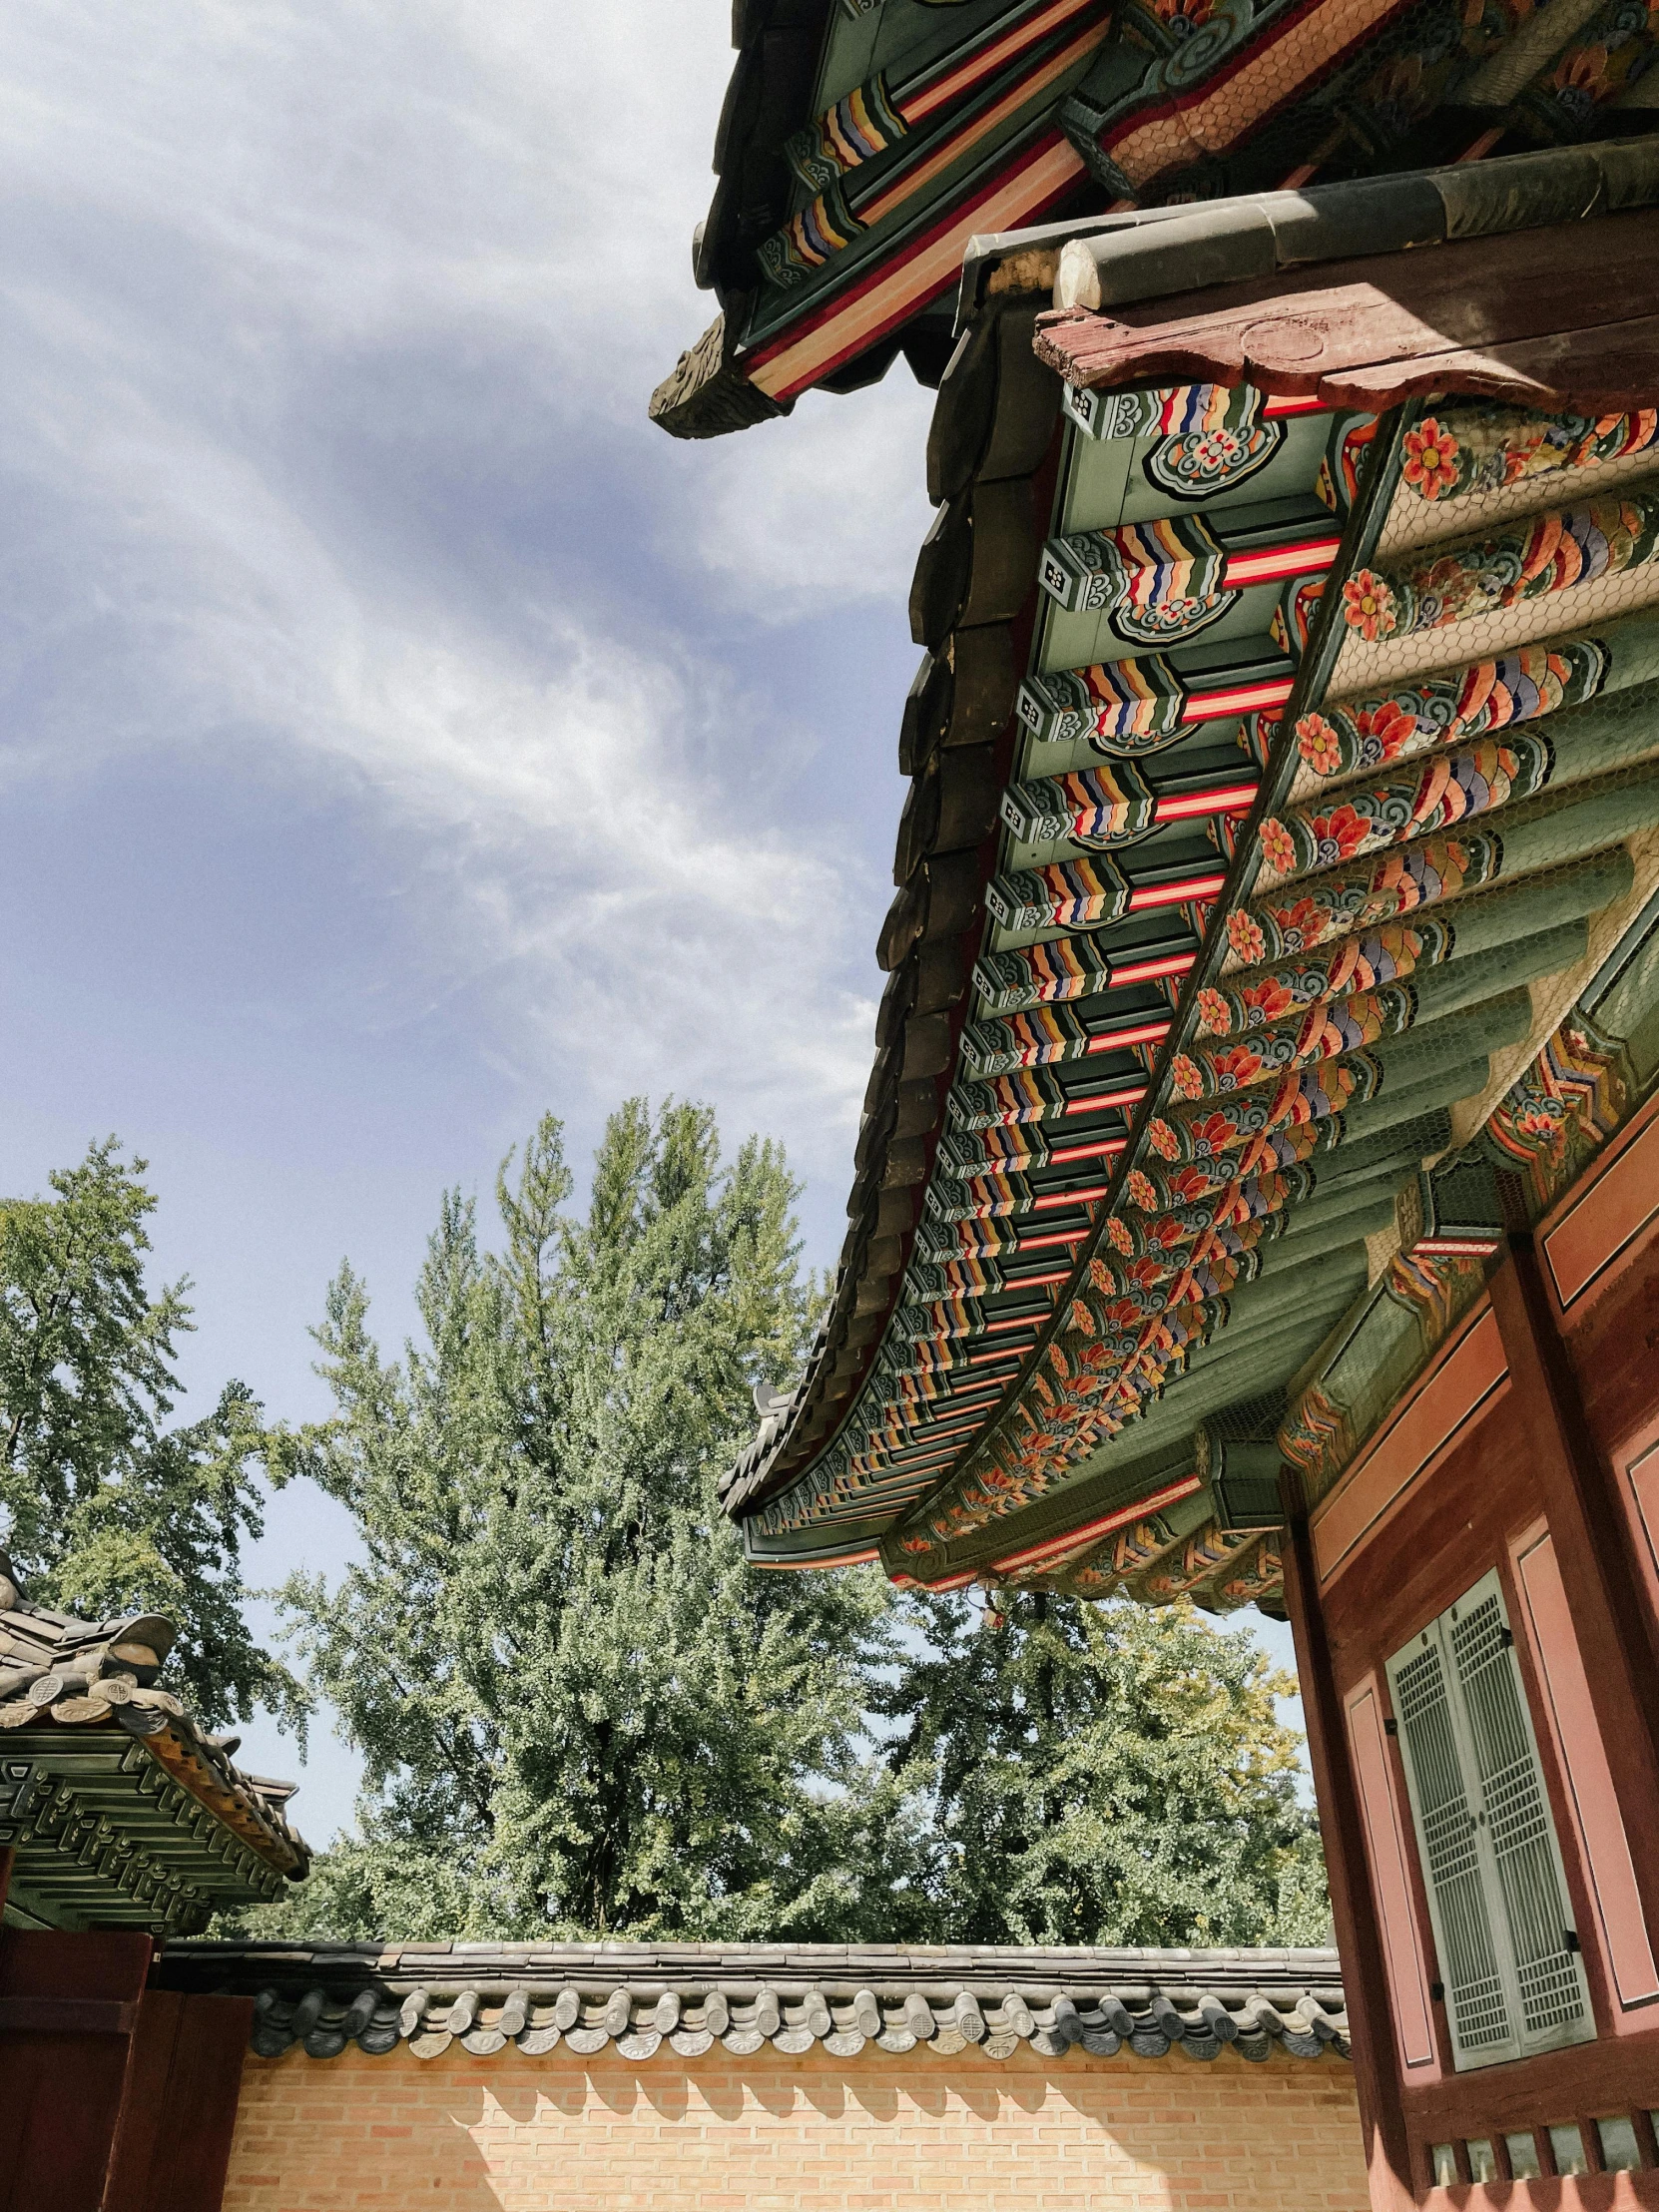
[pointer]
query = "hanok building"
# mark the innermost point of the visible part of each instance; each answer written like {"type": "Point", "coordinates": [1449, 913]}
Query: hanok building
{"type": "Point", "coordinates": [865, 144]}
{"type": "Point", "coordinates": [1257, 1198]}
{"type": "Point", "coordinates": [122, 1823]}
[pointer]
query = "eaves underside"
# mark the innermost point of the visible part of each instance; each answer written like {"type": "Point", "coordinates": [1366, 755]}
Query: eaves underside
{"type": "Point", "coordinates": [1142, 1166]}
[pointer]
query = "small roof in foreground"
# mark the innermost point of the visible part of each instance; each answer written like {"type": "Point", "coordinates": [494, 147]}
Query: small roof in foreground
{"type": "Point", "coordinates": [122, 1812]}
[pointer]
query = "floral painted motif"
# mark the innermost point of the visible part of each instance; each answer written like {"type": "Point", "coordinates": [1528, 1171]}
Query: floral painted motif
{"type": "Point", "coordinates": [1612, 51]}
{"type": "Point", "coordinates": [1469, 702]}
{"type": "Point", "coordinates": [1271, 1152]}
{"type": "Point", "coordinates": [1368, 606]}
{"type": "Point", "coordinates": [1324, 1031]}
{"type": "Point", "coordinates": [1574, 1090]}
{"type": "Point", "coordinates": [1407, 877]}
{"type": "Point", "coordinates": [1310, 1427]}
{"type": "Point", "coordinates": [1482, 446]}
{"type": "Point", "coordinates": [1527, 560]}
{"type": "Point", "coordinates": [1306, 1100]}
{"type": "Point", "coordinates": [1318, 744]}
{"type": "Point", "coordinates": [1194, 463]}
{"type": "Point", "coordinates": [1277, 850]}
{"type": "Point", "coordinates": [1452, 788]}
{"type": "Point", "coordinates": [1434, 460]}
{"type": "Point", "coordinates": [1246, 936]}
{"type": "Point", "coordinates": [1361, 962]}
{"type": "Point", "coordinates": [1182, 17]}
{"type": "Point", "coordinates": [1141, 1191]}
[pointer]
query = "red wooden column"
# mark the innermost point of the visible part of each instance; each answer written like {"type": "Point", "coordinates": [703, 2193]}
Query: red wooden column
{"type": "Point", "coordinates": [1611, 1616]}
{"type": "Point", "coordinates": [1358, 1936]}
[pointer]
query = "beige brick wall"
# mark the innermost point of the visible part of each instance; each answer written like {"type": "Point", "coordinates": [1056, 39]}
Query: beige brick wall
{"type": "Point", "coordinates": [808, 2134]}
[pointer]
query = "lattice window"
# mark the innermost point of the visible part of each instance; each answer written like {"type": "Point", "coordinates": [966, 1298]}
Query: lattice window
{"type": "Point", "coordinates": [1514, 1981]}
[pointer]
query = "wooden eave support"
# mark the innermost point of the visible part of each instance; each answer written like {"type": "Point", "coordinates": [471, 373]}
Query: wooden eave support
{"type": "Point", "coordinates": [1565, 317]}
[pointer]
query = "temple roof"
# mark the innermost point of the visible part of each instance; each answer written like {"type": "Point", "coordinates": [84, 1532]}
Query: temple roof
{"type": "Point", "coordinates": [491, 1998]}
{"type": "Point", "coordinates": [865, 142]}
{"type": "Point", "coordinates": [122, 1811]}
{"type": "Point", "coordinates": [1277, 872]}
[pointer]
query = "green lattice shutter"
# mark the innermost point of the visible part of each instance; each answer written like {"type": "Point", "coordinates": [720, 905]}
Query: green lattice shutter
{"type": "Point", "coordinates": [1514, 1982]}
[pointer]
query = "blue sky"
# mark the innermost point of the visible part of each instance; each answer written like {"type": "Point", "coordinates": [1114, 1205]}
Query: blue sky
{"type": "Point", "coordinates": [401, 736]}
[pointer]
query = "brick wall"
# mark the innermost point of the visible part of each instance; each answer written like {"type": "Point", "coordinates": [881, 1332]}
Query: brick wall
{"type": "Point", "coordinates": [808, 2134]}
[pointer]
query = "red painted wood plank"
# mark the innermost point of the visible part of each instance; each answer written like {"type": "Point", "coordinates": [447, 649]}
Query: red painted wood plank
{"type": "Point", "coordinates": [62, 2092]}
{"type": "Point", "coordinates": [1468, 1374]}
{"type": "Point", "coordinates": [172, 2147]}
{"type": "Point", "coordinates": [66, 2016]}
{"type": "Point", "coordinates": [1594, 1800]}
{"type": "Point", "coordinates": [1391, 1881]}
{"type": "Point", "coordinates": [1618, 1205]}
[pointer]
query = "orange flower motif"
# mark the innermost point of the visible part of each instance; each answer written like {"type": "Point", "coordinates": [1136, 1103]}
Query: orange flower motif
{"type": "Point", "coordinates": [1163, 1140]}
{"type": "Point", "coordinates": [1118, 1237]}
{"type": "Point", "coordinates": [1277, 846]}
{"type": "Point", "coordinates": [1244, 935]}
{"type": "Point", "coordinates": [1139, 1190]}
{"type": "Point", "coordinates": [1302, 925]}
{"type": "Point", "coordinates": [1318, 743]}
{"type": "Point", "coordinates": [1341, 834]}
{"type": "Point", "coordinates": [1267, 1000]}
{"type": "Point", "coordinates": [1186, 1077]}
{"type": "Point", "coordinates": [1215, 1016]}
{"type": "Point", "coordinates": [1234, 1070]}
{"type": "Point", "coordinates": [1432, 458]}
{"type": "Point", "coordinates": [1189, 1185]}
{"type": "Point", "coordinates": [1216, 1133]}
{"type": "Point", "coordinates": [1368, 606]}
{"type": "Point", "coordinates": [1383, 732]}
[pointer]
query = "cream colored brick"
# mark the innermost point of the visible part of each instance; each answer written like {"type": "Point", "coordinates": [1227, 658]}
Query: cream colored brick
{"type": "Point", "coordinates": [809, 2134]}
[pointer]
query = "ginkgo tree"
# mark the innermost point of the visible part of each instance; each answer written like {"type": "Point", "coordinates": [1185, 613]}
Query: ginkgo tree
{"type": "Point", "coordinates": [579, 1710]}
{"type": "Point", "coordinates": [106, 1506]}
{"type": "Point", "coordinates": [583, 1713]}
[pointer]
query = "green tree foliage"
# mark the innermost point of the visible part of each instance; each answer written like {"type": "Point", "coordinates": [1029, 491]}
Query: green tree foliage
{"type": "Point", "coordinates": [1104, 1774]}
{"type": "Point", "coordinates": [580, 1711]}
{"type": "Point", "coordinates": [106, 1509]}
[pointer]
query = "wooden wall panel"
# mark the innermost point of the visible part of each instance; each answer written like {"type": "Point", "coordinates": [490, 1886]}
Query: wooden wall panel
{"type": "Point", "coordinates": [174, 2144]}
{"type": "Point", "coordinates": [1605, 1215]}
{"type": "Point", "coordinates": [1571, 1718]}
{"type": "Point", "coordinates": [1460, 1383]}
{"type": "Point", "coordinates": [1390, 1877]}
{"type": "Point", "coordinates": [1642, 1477]}
{"type": "Point", "coordinates": [67, 2008]}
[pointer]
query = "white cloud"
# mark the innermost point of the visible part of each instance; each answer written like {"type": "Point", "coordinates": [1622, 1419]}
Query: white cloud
{"type": "Point", "coordinates": [311, 312]}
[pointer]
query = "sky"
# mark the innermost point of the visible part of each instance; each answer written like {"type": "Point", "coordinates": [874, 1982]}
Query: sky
{"type": "Point", "coordinates": [401, 736]}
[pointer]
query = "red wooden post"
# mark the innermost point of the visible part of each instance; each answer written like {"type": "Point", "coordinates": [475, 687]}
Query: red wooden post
{"type": "Point", "coordinates": [1358, 1939]}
